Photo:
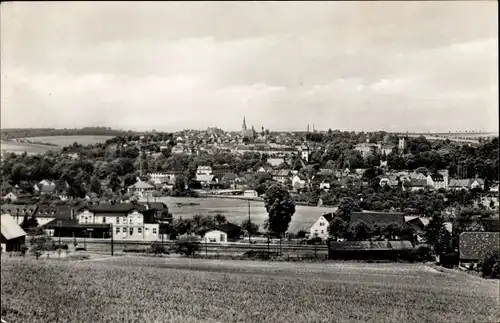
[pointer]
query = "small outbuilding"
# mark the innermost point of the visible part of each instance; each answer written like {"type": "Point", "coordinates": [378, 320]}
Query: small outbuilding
{"type": "Point", "coordinates": [12, 236]}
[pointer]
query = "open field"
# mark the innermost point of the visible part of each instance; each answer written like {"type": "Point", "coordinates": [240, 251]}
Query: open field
{"type": "Point", "coordinates": [138, 289]}
{"type": "Point", "coordinates": [68, 140]}
{"type": "Point", "coordinates": [30, 149]}
{"type": "Point", "coordinates": [60, 141]}
{"type": "Point", "coordinates": [237, 210]}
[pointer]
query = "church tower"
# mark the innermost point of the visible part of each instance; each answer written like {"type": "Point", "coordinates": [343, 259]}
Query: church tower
{"type": "Point", "coordinates": [244, 126]}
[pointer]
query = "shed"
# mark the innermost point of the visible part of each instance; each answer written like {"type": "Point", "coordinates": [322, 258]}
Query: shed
{"type": "Point", "coordinates": [12, 236]}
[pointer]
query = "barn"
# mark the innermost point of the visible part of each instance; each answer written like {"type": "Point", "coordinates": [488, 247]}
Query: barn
{"type": "Point", "coordinates": [12, 236]}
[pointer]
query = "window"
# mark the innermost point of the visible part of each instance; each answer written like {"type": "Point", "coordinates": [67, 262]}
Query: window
{"type": "Point", "coordinates": [131, 231]}
{"type": "Point", "coordinates": [117, 230]}
{"type": "Point", "coordinates": [212, 240]}
{"type": "Point", "coordinates": [117, 220]}
{"type": "Point", "coordinates": [130, 221]}
{"type": "Point", "coordinates": [322, 231]}
{"type": "Point", "coordinates": [139, 230]}
{"type": "Point", "coordinates": [86, 219]}
{"type": "Point", "coordinates": [154, 230]}
{"type": "Point", "coordinates": [124, 230]}
{"type": "Point", "coordinates": [147, 229]}
{"type": "Point", "coordinates": [103, 219]}
{"type": "Point", "coordinates": [321, 224]}
{"type": "Point", "coordinates": [222, 237]}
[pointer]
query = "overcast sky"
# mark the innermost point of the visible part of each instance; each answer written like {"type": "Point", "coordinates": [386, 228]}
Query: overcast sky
{"type": "Point", "coordinates": [394, 66]}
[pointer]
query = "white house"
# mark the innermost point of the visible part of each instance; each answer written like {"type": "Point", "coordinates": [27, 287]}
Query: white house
{"type": "Point", "coordinates": [477, 183]}
{"type": "Point", "coordinates": [141, 189]}
{"type": "Point", "coordinates": [298, 182]}
{"type": "Point", "coordinates": [437, 181]}
{"type": "Point", "coordinates": [320, 227]}
{"type": "Point", "coordinates": [305, 152]}
{"type": "Point", "coordinates": [324, 185]}
{"type": "Point", "coordinates": [250, 193]}
{"type": "Point", "coordinates": [127, 220]}
{"type": "Point", "coordinates": [206, 170]}
{"type": "Point", "coordinates": [215, 236]}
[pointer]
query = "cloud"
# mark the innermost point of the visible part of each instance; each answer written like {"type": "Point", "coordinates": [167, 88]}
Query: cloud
{"type": "Point", "coordinates": [173, 65]}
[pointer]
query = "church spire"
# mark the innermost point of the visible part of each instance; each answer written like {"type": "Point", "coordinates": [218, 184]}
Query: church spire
{"type": "Point", "coordinates": [244, 126]}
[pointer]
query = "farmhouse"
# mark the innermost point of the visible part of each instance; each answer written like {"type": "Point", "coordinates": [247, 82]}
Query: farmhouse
{"type": "Point", "coordinates": [128, 221]}
{"type": "Point", "coordinates": [320, 227]}
{"type": "Point", "coordinates": [141, 189]}
{"type": "Point", "coordinates": [12, 235]}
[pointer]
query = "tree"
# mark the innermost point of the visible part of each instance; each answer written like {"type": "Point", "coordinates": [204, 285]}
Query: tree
{"type": "Point", "coordinates": [437, 236]}
{"type": "Point", "coordinates": [220, 219]}
{"type": "Point", "coordinates": [280, 207]}
{"type": "Point", "coordinates": [337, 227]}
{"type": "Point", "coordinates": [490, 265]}
{"type": "Point", "coordinates": [249, 227]}
{"type": "Point", "coordinates": [361, 232]}
{"type": "Point", "coordinates": [346, 207]}
{"type": "Point", "coordinates": [95, 185]}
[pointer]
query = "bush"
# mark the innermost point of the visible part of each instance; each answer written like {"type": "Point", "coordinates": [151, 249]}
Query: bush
{"type": "Point", "coordinates": [449, 260]}
{"type": "Point", "coordinates": [157, 248]}
{"type": "Point", "coordinates": [187, 246]}
{"type": "Point", "coordinates": [315, 241]}
{"type": "Point", "coordinates": [60, 246]}
{"type": "Point", "coordinates": [490, 266]}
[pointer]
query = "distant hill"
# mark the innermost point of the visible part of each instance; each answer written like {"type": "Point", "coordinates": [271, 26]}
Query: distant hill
{"type": "Point", "coordinates": [45, 132]}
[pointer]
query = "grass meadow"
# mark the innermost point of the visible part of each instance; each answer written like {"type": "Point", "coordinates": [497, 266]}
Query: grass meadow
{"type": "Point", "coordinates": [69, 140]}
{"type": "Point", "coordinates": [139, 289]}
{"type": "Point", "coordinates": [236, 210]}
{"type": "Point", "coordinates": [60, 141]}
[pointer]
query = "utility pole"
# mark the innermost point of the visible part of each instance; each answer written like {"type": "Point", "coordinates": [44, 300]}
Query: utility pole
{"type": "Point", "coordinates": [59, 225]}
{"type": "Point", "coordinates": [112, 241]}
{"type": "Point", "coordinates": [249, 225]}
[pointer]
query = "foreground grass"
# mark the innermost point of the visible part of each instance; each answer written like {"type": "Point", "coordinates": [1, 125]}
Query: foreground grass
{"type": "Point", "coordinates": [133, 289]}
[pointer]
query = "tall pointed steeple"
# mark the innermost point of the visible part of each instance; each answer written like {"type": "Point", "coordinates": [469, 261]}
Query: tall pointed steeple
{"type": "Point", "coordinates": [244, 126]}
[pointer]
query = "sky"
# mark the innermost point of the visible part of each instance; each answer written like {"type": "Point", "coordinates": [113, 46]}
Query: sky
{"type": "Point", "coordinates": [362, 66]}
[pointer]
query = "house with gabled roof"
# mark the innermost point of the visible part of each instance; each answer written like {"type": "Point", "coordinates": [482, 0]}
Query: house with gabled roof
{"type": "Point", "coordinates": [12, 236]}
{"type": "Point", "coordinates": [320, 226]}
{"type": "Point", "coordinates": [141, 189]}
{"type": "Point", "coordinates": [281, 175]}
{"type": "Point", "coordinates": [437, 181]}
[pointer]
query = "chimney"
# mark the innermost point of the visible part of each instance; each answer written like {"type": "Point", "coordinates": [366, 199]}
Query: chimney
{"type": "Point", "coordinates": [72, 214]}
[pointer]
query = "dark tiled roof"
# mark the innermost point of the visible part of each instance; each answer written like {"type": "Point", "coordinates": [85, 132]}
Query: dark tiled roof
{"type": "Point", "coordinates": [437, 177]}
{"type": "Point", "coordinates": [19, 209]}
{"type": "Point", "coordinates": [474, 245]}
{"type": "Point", "coordinates": [376, 218]}
{"type": "Point", "coordinates": [113, 208]}
{"type": "Point", "coordinates": [154, 205]}
{"type": "Point", "coordinates": [328, 216]}
{"type": "Point", "coordinates": [227, 227]}
{"type": "Point", "coordinates": [57, 211]}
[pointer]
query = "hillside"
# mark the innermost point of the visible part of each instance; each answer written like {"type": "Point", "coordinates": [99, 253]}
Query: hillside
{"type": "Point", "coordinates": [45, 132]}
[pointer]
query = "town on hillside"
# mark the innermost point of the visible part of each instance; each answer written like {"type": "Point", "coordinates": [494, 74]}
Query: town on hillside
{"type": "Point", "coordinates": [438, 194]}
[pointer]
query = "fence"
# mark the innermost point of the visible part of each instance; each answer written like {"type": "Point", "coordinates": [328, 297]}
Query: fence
{"type": "Point", "coordinates": [231, 250]}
